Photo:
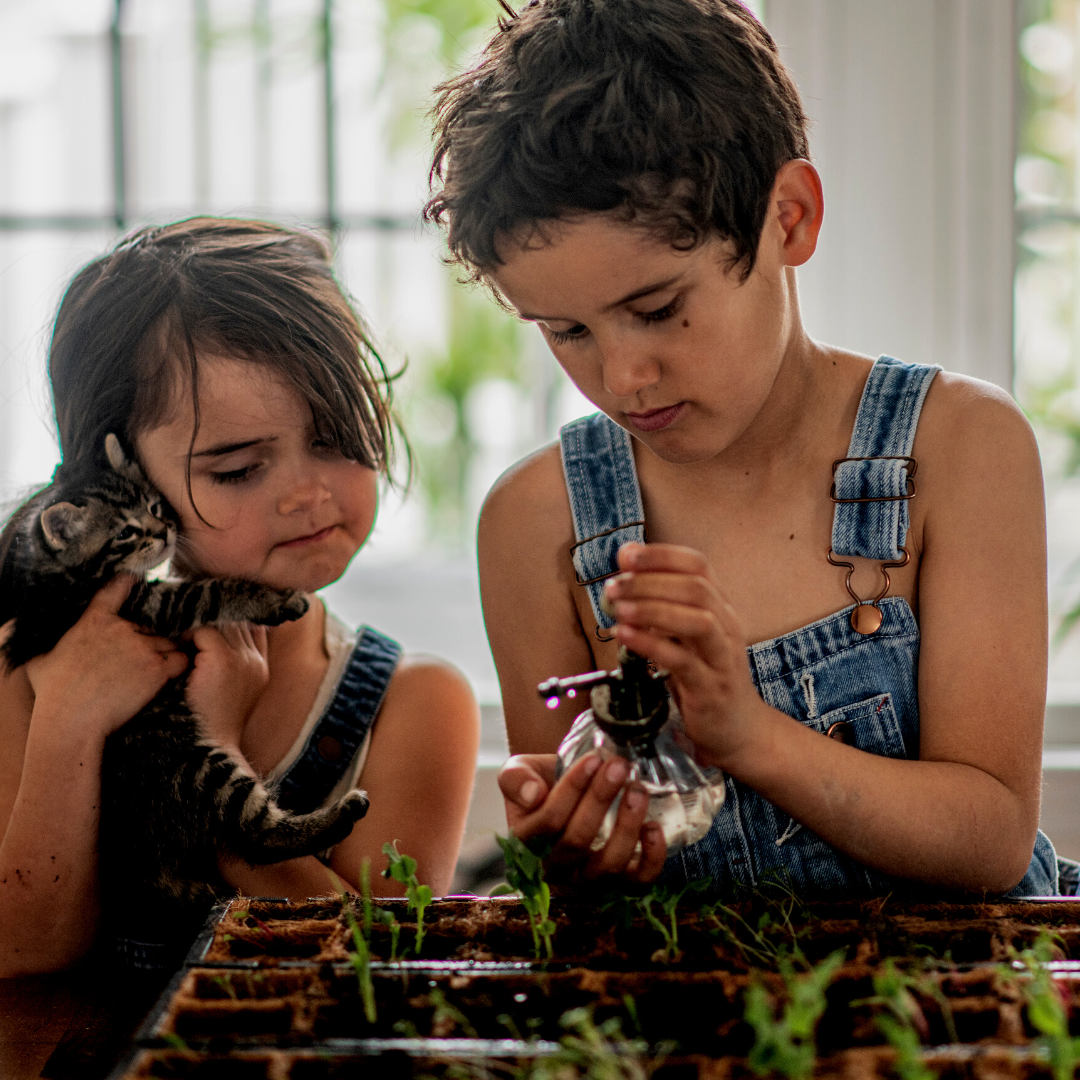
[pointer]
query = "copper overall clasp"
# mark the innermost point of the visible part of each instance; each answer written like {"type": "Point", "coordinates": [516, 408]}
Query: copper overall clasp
{"type": "Point", "coordinates": [867, 616]}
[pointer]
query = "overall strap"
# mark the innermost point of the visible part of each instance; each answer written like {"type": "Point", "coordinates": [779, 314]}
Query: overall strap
{"type": "Point", "coordinates": [332, 745]}
{"type": "Point", "coordinates": [601, 479]}
{"type": "Point", "coordinates": [872, 485]}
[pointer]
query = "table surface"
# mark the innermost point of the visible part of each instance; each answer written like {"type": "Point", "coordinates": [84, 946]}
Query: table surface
{"type": "Point", "coordinates": [71, 1026]}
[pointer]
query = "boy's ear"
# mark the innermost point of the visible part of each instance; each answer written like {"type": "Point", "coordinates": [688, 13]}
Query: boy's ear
{"type": "Point", "coordinates": [799, 206]}
{"type": "Point", "coordinates": [119, 460]}
{"type": "Point", "coordinates": [62, 523]}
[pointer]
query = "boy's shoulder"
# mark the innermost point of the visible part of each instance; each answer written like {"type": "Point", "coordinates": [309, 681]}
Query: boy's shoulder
{"type": "Point", "coordinates": [966, 418]}
{"type": "Point", "coordinates": [530, 501]}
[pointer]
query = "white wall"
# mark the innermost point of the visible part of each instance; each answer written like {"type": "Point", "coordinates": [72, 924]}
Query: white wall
{"type": "Point", "coordinates": [913, 121]}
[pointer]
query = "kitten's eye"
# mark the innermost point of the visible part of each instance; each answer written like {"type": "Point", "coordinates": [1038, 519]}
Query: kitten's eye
{"type": "Point", "coordinates": [127, 532]}
{"type": "Point", "coordinates": [155, 509]}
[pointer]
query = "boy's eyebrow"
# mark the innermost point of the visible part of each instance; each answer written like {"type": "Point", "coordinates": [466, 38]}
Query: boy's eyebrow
{"type": "Point", "coordinates": [228, 448]}
{"type": "Point", "coordinates": [637, 294]}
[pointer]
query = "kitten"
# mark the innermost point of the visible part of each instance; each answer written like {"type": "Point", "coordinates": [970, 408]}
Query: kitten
{"type": "Point", "coordinates": [171, 799]}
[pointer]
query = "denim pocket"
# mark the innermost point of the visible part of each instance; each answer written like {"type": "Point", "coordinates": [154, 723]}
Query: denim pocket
{"type": "Point", "coordinates": [871, 725]}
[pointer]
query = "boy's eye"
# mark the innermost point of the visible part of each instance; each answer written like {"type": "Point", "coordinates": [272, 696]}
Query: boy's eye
{"type": "Point", "coordinates": [669, 310]}
{"type": "Point", "coordinates": [235, 476]}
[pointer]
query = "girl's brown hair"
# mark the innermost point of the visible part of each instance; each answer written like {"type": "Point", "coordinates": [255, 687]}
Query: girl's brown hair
{"type": "Point", "coordinates": [131, 324]}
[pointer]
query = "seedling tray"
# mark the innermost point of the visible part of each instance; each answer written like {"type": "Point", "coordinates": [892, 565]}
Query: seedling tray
{"type": "Point", "coordinates": [270, 990]}
{"type": "Point", "coordinates": [273, 933]}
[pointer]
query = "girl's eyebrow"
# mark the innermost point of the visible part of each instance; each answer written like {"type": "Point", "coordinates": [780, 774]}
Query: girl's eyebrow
{"type": "Point", "coordinates": [637, 294]}
{"type": "Point", "coordinates": [228, 448]}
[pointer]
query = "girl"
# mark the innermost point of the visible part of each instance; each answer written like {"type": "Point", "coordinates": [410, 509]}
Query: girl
{"type": "Point", "coordinates": [227, 360]}
{"type": "Point", "coordinates": [632, 176]}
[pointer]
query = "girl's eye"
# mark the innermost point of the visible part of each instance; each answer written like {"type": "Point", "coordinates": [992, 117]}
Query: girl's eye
{"type": "Point", "coordinates": [575, 333]}
{"type": "Point", "coordinates": [236, 476]}
{"type": "Point", "coordinates": [669, 310]}
{"type": "Point", "coordinates": [127, 532]}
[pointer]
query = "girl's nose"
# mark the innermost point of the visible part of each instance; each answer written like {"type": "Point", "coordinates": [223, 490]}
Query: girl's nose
{"type": "Point", "coordinates": [305, 493]}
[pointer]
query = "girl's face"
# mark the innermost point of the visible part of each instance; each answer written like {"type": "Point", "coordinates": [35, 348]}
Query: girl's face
{"type": "Point", "coordinates": [672, 345]}
{"type": "Point", "coordinates": [280, 507]}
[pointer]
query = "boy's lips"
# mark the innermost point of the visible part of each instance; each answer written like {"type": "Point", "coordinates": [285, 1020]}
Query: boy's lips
{"type": "Point", "coordinates": [656, 419]}
{"type": "Point", "coordinates": [311, 538]}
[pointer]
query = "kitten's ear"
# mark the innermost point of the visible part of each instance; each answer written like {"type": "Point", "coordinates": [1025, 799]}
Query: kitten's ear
{"type": "Point", "coordinates": [119, 460]}
{"type": "Point", "coordinates": [62, 523]}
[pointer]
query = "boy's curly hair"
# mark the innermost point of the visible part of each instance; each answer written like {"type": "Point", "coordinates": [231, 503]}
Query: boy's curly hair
{"type": "Point", "coordinates": [676, 114]}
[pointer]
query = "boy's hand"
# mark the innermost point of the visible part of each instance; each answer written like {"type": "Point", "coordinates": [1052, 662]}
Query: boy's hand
{"type": "Point", "coordinates": [230, 675]}
{"type": "Point", "coordinates": [573, 809]}
{"type": "Point", "coordinates": [104, 669]}
{"type": "Point", "coordinates": [670, 610]}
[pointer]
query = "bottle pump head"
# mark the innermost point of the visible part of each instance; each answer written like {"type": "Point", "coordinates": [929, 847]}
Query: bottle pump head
{"type": "Point", "coordinates": [630, 703]}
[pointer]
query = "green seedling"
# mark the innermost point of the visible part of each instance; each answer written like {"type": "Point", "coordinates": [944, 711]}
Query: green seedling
{"type": "Point", "coordinates": [373, 914]}
{"type": "Point", "coordinates": [447, 1017]}
{"type": "Point", "coordinates": [1047, 1008]}
{"type": "Point", "coordinates": [595, 1051]}
{"type": "Point", "coordinates": [772, 935]}
{"type": "Point", "coordinates": [525, 876]}
{"type": "Point", "coordinates": [360, 958]}
{"type": "Point", "coordinates": [903, 1023]}
{"type": "Point", "coordinates": [668, 899]}
{"type": "Point", "coordinates": [226, 985]}
{"type": "Point", "coordinates": [785, 1045]}
{"type": "Point", "coordinates": [402, 868]}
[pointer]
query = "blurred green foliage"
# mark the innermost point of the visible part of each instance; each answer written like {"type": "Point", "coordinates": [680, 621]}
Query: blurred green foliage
{"type": "Point", "coordinates": [424, 41]}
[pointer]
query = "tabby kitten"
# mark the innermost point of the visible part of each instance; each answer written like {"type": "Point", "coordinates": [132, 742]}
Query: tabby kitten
{"type": "Point", "coordinates": [171, 799]}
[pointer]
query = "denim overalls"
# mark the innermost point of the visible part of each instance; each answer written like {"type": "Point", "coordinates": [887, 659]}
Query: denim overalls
{"type": "Point", "coordinates": [328, 753]}
{"type": "Point", "coordinates": [823, 674]}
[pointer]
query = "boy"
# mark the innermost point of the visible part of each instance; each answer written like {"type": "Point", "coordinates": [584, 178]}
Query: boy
{"type": "Point", "coordinates": [632, 175]}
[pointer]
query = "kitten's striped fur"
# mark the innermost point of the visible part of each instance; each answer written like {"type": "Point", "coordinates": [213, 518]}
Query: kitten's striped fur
{"type": "Point", "coordinates": [171, 799]}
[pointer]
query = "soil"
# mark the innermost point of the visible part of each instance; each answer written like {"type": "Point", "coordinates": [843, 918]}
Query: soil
{"type": "Point", "coordinates": [271, 992]}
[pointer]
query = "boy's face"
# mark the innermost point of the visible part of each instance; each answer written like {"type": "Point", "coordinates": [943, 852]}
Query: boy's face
{"type": "Point", "coordinates": [283, 509]}
{"type": "Point", "coordinates": [672, 345]}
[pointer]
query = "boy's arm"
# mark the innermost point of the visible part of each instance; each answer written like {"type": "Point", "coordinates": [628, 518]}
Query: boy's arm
{"type": "Point", "coordinates": [964, 815]}
{"type": "Point", "coordinates": [526, 584]}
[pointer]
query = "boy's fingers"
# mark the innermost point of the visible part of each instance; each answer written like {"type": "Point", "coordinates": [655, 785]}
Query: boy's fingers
{"type": "Point", "coordinates": [521, 784]}
{"type": "Point", "coordinates": [672, 557]}
{"type": "Point", "coordinates": [676, 620]}
{"type": "Point", "coordinates": [653, 853]}
{"type": "Point", "coordinates": [588, 814]}
{"type": "Point", "coordinates": [691, 589]}
{"type": "Point", "coordinates": [618, 852]}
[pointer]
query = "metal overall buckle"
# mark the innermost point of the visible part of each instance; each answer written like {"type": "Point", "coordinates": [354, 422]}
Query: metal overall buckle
{"type": "Point", "coordinates": [867, 616]}
{"type": "Point", "coordinates": [603, 577]}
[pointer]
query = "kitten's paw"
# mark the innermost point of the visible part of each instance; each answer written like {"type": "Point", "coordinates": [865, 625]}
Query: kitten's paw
{"type": "Point", "coordinates": [291, 607]}
{"type": "Point", "coordinates": [355, 804]}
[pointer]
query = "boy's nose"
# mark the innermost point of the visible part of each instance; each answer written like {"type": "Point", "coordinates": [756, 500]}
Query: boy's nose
{"type": "Point", "coordinates": [627, 370]}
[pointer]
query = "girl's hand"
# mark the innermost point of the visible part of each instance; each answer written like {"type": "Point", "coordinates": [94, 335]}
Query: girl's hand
{"type": "Point", "coordinates": [104, 669]}
{"type": "Point", "coordinates": [231, 673]}
{"type": "Point", "coordinates": [571, 811]}
{"type": "Point", "coordinates": [670, 610]}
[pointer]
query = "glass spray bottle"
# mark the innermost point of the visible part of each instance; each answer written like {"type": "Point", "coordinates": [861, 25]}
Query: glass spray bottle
{"type": "Point", "coordinates": [633, 717]}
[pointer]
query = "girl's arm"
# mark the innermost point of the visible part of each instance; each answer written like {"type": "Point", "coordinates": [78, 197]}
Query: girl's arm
{"type": "Point", "coordinates": [965, 814]}
{"type": "Point", "coordinates": [55, 713]}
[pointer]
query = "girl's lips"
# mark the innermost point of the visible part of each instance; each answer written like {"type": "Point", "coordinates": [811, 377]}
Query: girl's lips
{"type": "Point", "coordinates": [313, 538]}
{"type": "Point", "coordinates": [656, 419]}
